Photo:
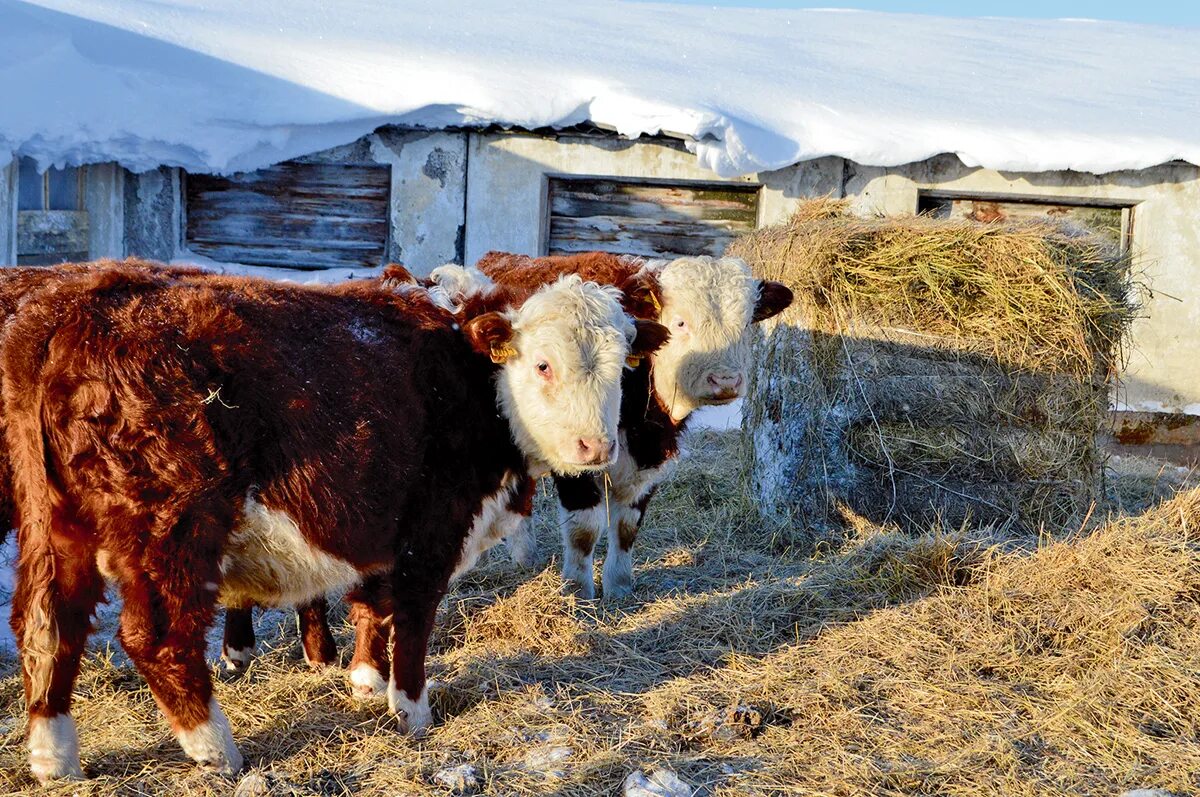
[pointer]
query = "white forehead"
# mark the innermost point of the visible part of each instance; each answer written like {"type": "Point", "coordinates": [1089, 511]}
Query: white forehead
{"type": "Point", "coordinates": [572, 307]}
{"type": "Point", "coordinates": [719, 290]}
{"type": "Point", "coordinates": [452, 284]}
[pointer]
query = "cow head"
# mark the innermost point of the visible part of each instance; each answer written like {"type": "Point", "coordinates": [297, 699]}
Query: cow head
{"type": "Point", "coordinates": [708, 305]}
{"type": "Point", "coordinates": [561, 355]}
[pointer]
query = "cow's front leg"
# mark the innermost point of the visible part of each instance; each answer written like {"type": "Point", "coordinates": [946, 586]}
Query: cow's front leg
{"type": "Point", "coordinates": [408, 692]}
{"type": "Point", "coordinates": [617, 578]}
{"type": "Point", "coordinates": [582, 519]}
{"type": "Point", "coordinates": [237, 650]}
{"type": "Point", "coordinates": [581, 529]}
{"type": "Point", "coordinates": [370, 614]}
{"type": "Point", "coordinates": [316, 640]}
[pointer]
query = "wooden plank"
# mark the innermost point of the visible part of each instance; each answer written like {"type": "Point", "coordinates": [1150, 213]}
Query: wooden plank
{"type": "Point", "coordinates": [302, 215]}
{"type": "Point", "coordinates": [583, 205]}
{"type": "Point", "coordinates": [304, 259]}
{"type": "Point", "coordinates": [52, 232]}
{"type": "Point", "coordinates": [647, 219]}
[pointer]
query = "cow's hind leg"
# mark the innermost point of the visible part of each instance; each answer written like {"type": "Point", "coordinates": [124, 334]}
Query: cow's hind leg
{"type": "Point", "coordinates": [370, 613]}
{"type": "Point", "coordinates": [237, 648]}
{"type": "Point", "coordinates": [163, 623]}
{"type": "Point", "coordinates": [316, 640]}
{"type": "Point", "coordinates": [57, 590]}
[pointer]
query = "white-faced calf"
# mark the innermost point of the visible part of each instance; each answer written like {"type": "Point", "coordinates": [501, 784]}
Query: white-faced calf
{"type": "Point", "coordinates": [708, 305]}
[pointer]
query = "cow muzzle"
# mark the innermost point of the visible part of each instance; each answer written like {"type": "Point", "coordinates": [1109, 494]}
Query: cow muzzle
{"type": "Point", "coordinates": [596, 452]}
{"type": "Point", "coordinates": [723, 388]}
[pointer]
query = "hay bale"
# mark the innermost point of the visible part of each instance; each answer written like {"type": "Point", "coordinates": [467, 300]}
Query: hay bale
{"type": "Point", "coordinates": [933, 369]}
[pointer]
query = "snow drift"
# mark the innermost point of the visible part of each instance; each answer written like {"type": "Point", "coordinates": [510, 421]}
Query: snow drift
{"type": "Point", "coordinates": [229, 85]}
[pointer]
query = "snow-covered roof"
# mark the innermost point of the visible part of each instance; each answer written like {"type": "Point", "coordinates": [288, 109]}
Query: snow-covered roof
{"type": "Point", "coordinates": [227, 85]}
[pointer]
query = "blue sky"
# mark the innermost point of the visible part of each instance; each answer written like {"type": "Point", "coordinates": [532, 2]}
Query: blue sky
{"type": "Point", "coordinates": [1159, 12]}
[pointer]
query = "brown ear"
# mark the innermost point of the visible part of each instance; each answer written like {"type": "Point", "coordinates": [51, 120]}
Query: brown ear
{"type": "Point", "coordinates": [396, 274]}
{"type": "Point", "coordinates": [641, 296]}
{"type": "Point", "coordinates": [491, 334]}
{"type": "Point", "coordinates": [649, 338]}
{"type": "Point", "coordinates": [773, 299]}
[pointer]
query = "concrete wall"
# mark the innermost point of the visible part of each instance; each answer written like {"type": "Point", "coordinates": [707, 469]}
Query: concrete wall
{"type": "Point", "coordinates": [8, 214]}
{"type": "Point", "coordinates": [1163, 373]}
{"type": "Point", "coordinates": [153, 214]}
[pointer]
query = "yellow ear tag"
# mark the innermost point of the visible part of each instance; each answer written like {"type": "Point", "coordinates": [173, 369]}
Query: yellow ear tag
{"type": "Point", "coordinates": [500, 354]}
{"type": "Point", "coordinates": [633, 360]}
{"type": "Point", "coordinates": [654, 301]}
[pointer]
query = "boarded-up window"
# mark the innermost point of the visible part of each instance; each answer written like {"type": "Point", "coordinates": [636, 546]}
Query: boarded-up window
{"type": "Point", "coordinates": [52, 225]}
{"type": "Point", "coordinates": [648, 219]}
{"type": "Point", "coordinates": [1113, 222]}
{"type": "Point", "coordinates": [297, 215]}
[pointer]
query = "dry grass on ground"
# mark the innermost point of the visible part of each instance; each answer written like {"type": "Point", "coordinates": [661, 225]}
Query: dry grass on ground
{"type": "Point", "coordinates": [749, 664]}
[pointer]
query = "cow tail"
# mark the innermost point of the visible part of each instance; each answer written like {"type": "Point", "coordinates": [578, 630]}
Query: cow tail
{"type": "Point", "coordinates": [34, 603]}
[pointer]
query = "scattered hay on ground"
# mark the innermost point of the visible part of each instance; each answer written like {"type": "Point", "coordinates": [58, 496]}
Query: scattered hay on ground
{"type": "Point", "coordinates": [893, 663]}
{"type": "Point", "coordinates": [933, 369]}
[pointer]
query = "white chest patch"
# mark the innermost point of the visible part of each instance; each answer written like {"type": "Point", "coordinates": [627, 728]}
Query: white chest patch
{"type": "Point", "coordinates": [629, 482]}
{"type": "Point", "coordinates": [494, 522]}
{"type": "Point", "coordinates": [268, 561]}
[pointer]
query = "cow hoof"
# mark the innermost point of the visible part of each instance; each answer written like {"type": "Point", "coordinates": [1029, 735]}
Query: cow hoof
{"type": "Point", "coordinates": [413, 716]}
{"type": "Point", "coordinates": [583, 590]}
{"type": "Point", "coordinates": [237, 661]}
{"type": "Point", "coordinates": [618, 590]}
{"type": "Point", "coordinates": [366, 683]}
{"type": "Point", "coordinates": [54, 749]}
{"type": "Point", "coordinates": [210, 744]}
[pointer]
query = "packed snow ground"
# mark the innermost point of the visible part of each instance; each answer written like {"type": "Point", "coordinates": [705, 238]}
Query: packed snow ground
{"type": "Point", "coordinates": [227, 85]}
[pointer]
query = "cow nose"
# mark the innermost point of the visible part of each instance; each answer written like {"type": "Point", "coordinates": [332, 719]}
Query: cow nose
{"type": "Point", "coordinates": [724, 382]}
{"type": "Point", "coordinates": [594, 450]}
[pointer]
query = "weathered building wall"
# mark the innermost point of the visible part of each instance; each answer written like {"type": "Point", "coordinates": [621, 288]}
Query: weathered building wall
{"type": "Point", "coordinates": [152, 214]}
{"type": "Point", "coordinates": [455, 195]}
{"type": "Point", "coordinates": [105, 204]}
{"type": "Point", "coordinates": [8, 214]}
{"type": "Point", "coordinates": [429, 173]}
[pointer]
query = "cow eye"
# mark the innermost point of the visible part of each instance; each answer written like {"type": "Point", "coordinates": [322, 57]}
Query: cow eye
{"type": "Point", "coordinates": [680, 323]}
{"type": "Point", "coordinates": [544, 369]}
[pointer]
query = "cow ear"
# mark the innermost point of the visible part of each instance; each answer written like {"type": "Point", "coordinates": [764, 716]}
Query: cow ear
{"type": "Point", "coordinates": [649, 338]}
{"type": "Point", "coordinates": [773, 299]}
{"type": "Point", "coordinates": [641, 296]}
{"type": "Point", "coordinates": [396, 274]}
{"type": "Point", "coordinates": [491, 334]}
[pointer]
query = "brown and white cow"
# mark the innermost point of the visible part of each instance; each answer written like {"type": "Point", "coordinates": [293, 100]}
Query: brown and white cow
{"type": "Point", "coordinates": [708, 305]}
{"type": "Point", "coordinates": [460, 291]}
{"type": "Point", "coordinates": [271, 443]}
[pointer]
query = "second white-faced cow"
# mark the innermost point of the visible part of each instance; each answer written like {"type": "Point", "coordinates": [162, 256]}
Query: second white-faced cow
{"type": "Point", "coordinates": [270, 443]}
{"type": "Point", "coordinates": [708, 305]}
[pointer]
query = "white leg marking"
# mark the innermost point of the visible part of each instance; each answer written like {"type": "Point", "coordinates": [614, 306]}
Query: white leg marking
{"type": "Point", "coordinates": [211, 743]}
{"type": "Point", "coordinates": [237, 660]}
{"type": "Point", "coordinates": [54, 748]}
{"type": "Point", "coordinates": [366, 681]}
{"type": "Point", "coordinates": [577, 566]}
{"type": "Point", "coordinates": [522, 544]}
{"type": "Point", "coordinates": [617, 578]}
{"type": "Point", "coordinates": [415, 715]}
